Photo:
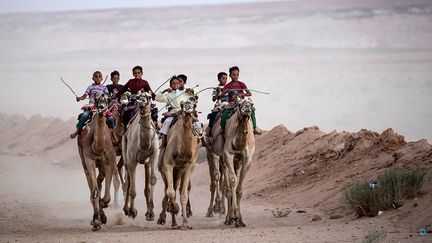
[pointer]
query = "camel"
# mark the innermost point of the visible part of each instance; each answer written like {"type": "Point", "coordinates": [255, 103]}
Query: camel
{"type": "Point", "coordinates": [214, 159]}
{"type": "Point", "coordinates": [140, 145]}
{"type": "Point", "coordinates": [96, 151]}
{"type": "Point", "coordinates": [177, 162]}
{"type": "Point", "coordinates": [238, 149]}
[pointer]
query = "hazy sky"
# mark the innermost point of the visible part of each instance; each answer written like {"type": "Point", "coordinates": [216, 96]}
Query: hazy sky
{"type": "Point", "coordinates": [340, 64]}
{"type": "Point", "coordinates": [60, 5]}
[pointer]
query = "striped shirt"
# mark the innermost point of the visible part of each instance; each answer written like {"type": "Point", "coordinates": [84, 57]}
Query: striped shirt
{"type": "Point", "coordinates": [94, 89]}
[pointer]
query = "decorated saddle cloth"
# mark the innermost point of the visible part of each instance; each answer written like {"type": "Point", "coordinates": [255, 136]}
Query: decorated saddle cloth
{"type": "Point", "coordinates": [92, 109]}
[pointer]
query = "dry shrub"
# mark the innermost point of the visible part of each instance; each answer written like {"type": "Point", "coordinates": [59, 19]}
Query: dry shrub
{"type": "Point", "coordinates": [394, 186]}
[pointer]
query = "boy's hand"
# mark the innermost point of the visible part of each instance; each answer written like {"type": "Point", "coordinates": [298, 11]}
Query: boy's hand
{"type": "Point", "coordinates": [78, 99]}
{"type": "Point", "coordinates": [167, 90]}
{"type": "Point", "coordinates": [189, 91]}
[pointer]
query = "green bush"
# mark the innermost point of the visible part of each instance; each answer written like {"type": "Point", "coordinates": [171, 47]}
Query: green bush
{"type": "Point", "coordinates": [394, 186]}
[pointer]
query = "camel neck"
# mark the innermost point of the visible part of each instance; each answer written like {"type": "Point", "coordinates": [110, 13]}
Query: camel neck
{"type": "Point", "coordinates": [145, 130]}
{"type": "Point", "coordinates": [241, 134]}
{"type": "Point", "coordinates": [99, 133]}
{"type": "Point", "coordinates": [187, 137]}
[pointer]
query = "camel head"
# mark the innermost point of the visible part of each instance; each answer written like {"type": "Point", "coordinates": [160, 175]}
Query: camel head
{"type": "Point", "coordinates": [189, 105]}
{"type": "Point", "coordinates": [245, 107]}
{"type": "Point", "coordinates": [143, 102]}
{"type": "Point", "coordinates": [101, 102]}
{"type": "Point", "coordinates": [125, 98]}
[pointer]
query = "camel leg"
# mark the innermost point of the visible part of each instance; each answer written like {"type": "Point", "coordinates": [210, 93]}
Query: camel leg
{"type": "Point", "coordinates": [94, 194]}
{"type": "Point", "coordinates": [162, 215]}
{"type": "Point", "coordinates": [108, 171]}
{"type": "Point", "coordinates": [184, 194]}
{"type": "Point", "coordinates": [116, 183]}
{"type": "Point", "coordinates": [239, 192]}
{"type": "Point", "coordinates": [231, 188]}
{"type": "Point", "coordinates": [148, 192]}
{"type": "Point", "coordinates": [221, 191]}
{"type": "Point", "coordinates": [100, 179]}
{"type": "Point", "coordinates": [120, 173]}
{"type": "Point", "coordinates": [169, 191]}
{"type": "Point", "coordinates": [132, 191]}
{"type": "Point", "coordinates": [217, 177]}
{"type": "Point", "coordinates": [154, 162]}
{"type": "Point", "coordinates": [188, 205]}
{"type": "Point", "coordinates": [126, 207]}
{"type": "Point", "coordinates": [175, 209]}
{"type": "Point", "coordinates": [212, 184]}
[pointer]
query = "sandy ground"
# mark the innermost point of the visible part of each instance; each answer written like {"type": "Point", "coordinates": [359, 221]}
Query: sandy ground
{"type": "Point", "coordinates": [42, 202]}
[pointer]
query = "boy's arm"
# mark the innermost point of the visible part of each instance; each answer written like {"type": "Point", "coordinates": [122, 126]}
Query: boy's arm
{"type": "Point", "coordinates": [122, 90]}
{"type": "Point", "coordinates": [246, 91]}
{"type": "Point", "coordinates": [216, 94]}
{"type": "Point", "coordinates": [161, 97]}
{"type": "Point", "coordinates": [86, 93]}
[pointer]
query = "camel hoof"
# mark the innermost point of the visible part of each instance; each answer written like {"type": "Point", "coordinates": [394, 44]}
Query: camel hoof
{"type": "Point", "coordinates": [161, 221]}
{"type": "Point", "coordinates": [96, 224]}
{"type": "Point", "coordinates": [150, 216]}
{"type": "Point", "coordinates": [231, 221]}
{"type": "Point", "coordinates": [126, 211]}
{"type": "Point", "coordinates": [96, 227]}
{"type": "Point", "coordinates": [209, 214]}
{"type": "Point", "coordinates": [103, 218]}
{"type": "Point", "coordinates": [133, 213]}
{"type": "Point", "coordinates": [239, 223]}
{"type": "Point", "coordinates": [216, 209]}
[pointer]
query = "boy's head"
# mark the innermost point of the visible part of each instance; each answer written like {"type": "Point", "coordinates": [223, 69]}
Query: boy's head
{"type": "Point", "coordinates": [174, 83]}
{"type": "Point", "coordinates": [182, 80]}
{"type": "Point", "coordinates": [115, 77]}
{"type": "Point", "coordinates": [137, 72]}
{"type": "Point", "coordinates": [234, 73]}
{"type": "Point", "coordinates": [97, 77]}
{"type": "Point", "coordinates": [222, 78]}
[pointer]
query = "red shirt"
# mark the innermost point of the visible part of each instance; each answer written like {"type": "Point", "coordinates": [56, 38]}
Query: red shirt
{"type": "Point", "coordinates": [135, 85]}
{"type": "Point", "coordinates": [238, 87]}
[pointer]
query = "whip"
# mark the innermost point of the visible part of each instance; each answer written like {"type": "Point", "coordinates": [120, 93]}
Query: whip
{"type": "Point", "coordinates": [163, 84]}
{"type": "Point", "coordinates": [68, 87]}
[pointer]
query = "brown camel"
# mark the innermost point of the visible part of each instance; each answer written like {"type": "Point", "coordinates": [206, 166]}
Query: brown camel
{"type": "Point", "coordinates": [96, 151]}
{"type": "Point", "coordinates": [239, 147]}
{"type": "Point", "coordinates": [140, 145]}
{"type": "Point", "coordinates": [177, 162]}
{"type": "Point", "coordinates": [214, 159]}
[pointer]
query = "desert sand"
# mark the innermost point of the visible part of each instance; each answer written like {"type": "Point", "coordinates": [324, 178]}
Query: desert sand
{"type": "Point", "coordinates": [44, 196]}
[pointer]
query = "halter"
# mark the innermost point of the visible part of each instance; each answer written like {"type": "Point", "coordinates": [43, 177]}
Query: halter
{"type": "Point", "coordinates": [101, 103]}
{"type": "Point", "coordinates": [245, 109]}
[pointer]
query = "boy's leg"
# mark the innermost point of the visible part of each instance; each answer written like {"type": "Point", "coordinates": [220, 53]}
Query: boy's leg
{"type": "Point", "coordinates": [154, 113]}
{"type": "Point", "coordinates": [126, 116]}
{"type": "Point", "coordinates": [164, 130]}
{"type": "Point", "coordinates": [255, 130]}
{"type": "Point", "coordinates": [224, 117]}
{"type": "Point", "coordinates": [82, 120]}
{"type": "Point", "coordinates": [212, 118]}
{"type": "Point", "coordinates": [111, 121]}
